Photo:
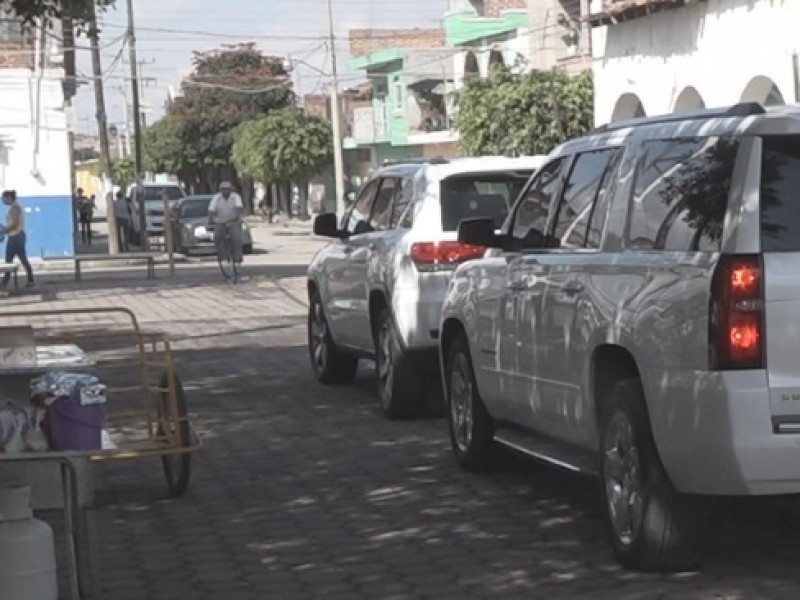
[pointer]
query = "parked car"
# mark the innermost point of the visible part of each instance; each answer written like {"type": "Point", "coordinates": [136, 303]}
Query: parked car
{"type": "Point", "coordinates": [151, 197]}
{"type": "Point", "coordinates": [377, 290]}
{"type": "Point", "coordinates": [637, 318]}
{"type": "Point", "coordinates": [190, 230]}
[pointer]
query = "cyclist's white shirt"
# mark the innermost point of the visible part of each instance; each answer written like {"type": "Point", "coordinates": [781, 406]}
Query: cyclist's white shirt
{"type": "Point", "coordinates": [226, 209]}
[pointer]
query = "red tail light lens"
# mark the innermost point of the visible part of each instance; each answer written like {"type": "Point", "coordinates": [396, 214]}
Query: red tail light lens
{"type": "Point", "coordinates": [736, 339]}
{"type": "Point", "coordinates": [437, 255]}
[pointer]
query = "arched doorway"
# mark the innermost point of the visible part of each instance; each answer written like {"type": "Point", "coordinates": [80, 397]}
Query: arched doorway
{"type": "Point", "coordinates": [689, 99]}
{"type": "Point", "coordinates": [629, 106]}
{"type": "Point", "coordinates": [471, 68]}
{"type": "Point", "coordinates": [496, 61]}
{"type": "Point", "coordinates": [764, 91]}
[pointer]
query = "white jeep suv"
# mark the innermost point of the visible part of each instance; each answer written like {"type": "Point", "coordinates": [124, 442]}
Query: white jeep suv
{"type": "Point", "coordinates": [639, 318]}
{"type": "Point", "coordinates": [377, 290]}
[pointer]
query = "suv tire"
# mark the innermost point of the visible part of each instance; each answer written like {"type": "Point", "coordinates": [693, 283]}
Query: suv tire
{"type": "Point", "coordinates": [652, 527]}
{"type": "Point", "coordinates": [471, 428]}
{"type": "Point", "coordinates": [400, 389]}
{"type": "Point", "coordinates": [329, 363]}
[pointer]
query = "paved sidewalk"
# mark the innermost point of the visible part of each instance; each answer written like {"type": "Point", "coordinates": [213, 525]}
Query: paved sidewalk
{"type": "Point", "coordinates": [305, 492]}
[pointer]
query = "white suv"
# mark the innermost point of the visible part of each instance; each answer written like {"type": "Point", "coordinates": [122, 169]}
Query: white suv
{"type": "Point", "coordinates": [377, 291]}
{"type": "Point", "coordinates": [639, 318]}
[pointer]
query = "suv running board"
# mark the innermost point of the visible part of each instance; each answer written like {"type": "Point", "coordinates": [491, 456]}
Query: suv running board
{"type": "Point", "coordinates": [534, 446]}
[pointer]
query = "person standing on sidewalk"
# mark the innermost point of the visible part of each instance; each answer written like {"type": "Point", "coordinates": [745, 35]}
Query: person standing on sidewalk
{"type": "Point", "coordinates": [14, 232]}
{"type": "Point", "coordinates": [85, 213]}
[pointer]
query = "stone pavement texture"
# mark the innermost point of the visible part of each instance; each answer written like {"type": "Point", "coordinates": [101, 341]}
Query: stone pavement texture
{"type": "Point", "coordinates": [306, 492]}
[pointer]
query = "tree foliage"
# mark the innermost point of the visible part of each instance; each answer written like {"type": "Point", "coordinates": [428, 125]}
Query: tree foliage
{"type": "Point", "coordinates": [526, 115]}
{"type": "Point", "coordinates": [31, 10]}
{"type": "Point", "coordinates": [285, 145]}
{"type": "Point", "coordinates": [227, 87]}
{"type": "Point", "coordinates": [123, 172]}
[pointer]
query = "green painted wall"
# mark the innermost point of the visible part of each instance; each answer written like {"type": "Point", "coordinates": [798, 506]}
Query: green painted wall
{"type": "Point", "coordinates": [464, 27]}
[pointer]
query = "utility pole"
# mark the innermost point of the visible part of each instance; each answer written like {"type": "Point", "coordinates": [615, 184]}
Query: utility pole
{"type": "Point", "coordinates": [102, 132]}
{"type": "Point", "coordinates": [137, 132]}
{"type": "Point", "coordinates": [338, 160]}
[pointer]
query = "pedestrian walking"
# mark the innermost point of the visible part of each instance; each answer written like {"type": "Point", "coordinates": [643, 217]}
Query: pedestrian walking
{"type": "Point", "coordinates": [123, 217]}
{"type": "Point", "coordinates": [14, 232]}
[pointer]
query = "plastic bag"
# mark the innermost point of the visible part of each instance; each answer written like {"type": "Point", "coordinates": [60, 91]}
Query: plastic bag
{"type": "Point", "coordinates": [35, 439]}
{"type": "Point", "coordinates": [79, 386]}
{"type": "Point", "coordinates": [14, 425]}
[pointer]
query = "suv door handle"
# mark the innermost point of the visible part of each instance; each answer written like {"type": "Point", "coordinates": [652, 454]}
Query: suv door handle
{"type": "Point", "coordinates": [572, 287]}
{"type": "Point", "coordinates": [348, 249]}
{"type": "Point", "coordinates": [515, 286]}
{"type": "Point", "coordinates": [372, 245]}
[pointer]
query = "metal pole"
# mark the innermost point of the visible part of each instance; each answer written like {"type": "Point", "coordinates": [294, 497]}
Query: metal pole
{"type": "Point", "coordinates": [338, 160]}
{"type": "Point", "coordinates": [102, 130]}
{"type": "Point", "coordinates": [137, 131]}
{"type": "Point", "coordinates": [168, 234]}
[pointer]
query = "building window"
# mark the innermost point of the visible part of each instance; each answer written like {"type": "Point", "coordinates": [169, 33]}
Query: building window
{"type": "Point", "coordinates": [397, 91]}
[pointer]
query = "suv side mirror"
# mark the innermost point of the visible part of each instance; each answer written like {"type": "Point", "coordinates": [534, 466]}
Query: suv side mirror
{"type": "Point", "coordinates": [480, 232]}
{"type": "Point", "coordinates": [326, 225]}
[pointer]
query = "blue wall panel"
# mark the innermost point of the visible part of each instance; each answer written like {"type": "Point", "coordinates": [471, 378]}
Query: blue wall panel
{"type": "Point", "coordinates": [49, 225]}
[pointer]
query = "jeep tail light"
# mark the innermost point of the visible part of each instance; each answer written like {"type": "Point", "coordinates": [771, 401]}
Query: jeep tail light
{"type": "Point", "coordinates": [432, 256]}
{"type": "Point", "coordinates": [736, 323]}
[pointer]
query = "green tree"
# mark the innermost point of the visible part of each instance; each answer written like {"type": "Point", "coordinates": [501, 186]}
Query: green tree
{"type": "Point", "coordinates": [526, 115]}
{"type": "Point", "coordinates": [227, 87]}
{"type": "Point", "coordinates": [123, 172]}
{"type": "Point", "coordinates": [30, 10]}
{"type": "Point", "coordinates": [285, 146]}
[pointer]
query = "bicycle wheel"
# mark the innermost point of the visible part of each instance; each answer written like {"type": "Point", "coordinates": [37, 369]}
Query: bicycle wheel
{"type": "Point", "coordinates": [225, 258]}
{"type": "Point", "coordinates": [177, 467]}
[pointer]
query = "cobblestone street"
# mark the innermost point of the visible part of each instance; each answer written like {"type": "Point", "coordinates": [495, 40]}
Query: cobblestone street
{"type": "Point", "coordinates": [306, 492]}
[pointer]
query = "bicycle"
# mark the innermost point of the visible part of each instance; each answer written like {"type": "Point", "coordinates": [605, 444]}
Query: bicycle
{"type": "Point", "coordinates": [226, 254]}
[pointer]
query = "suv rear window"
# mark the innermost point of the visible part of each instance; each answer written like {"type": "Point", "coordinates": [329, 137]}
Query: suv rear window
{"type": "Point", "coordinates": [152, 193]}
{"type": "Point", "coordinates": [480, 195]}
{"type": "Point", "coordinates": [780, 202]}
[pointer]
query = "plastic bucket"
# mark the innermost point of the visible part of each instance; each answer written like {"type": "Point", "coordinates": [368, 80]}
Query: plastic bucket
{"type": "Point", "coordinates": [72, 426]}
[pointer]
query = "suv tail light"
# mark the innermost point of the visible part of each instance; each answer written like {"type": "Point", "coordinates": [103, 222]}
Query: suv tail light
{"type": "Point", "coordinates": [434, 256]}
{"type": "Point", "coordinates": [736, 323]}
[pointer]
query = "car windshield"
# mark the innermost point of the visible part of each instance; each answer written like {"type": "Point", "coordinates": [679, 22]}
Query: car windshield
{"type": "Point", "coordinates": [480, 195]}
{"type": "Point", "coordinates": [195, 208]}
{"type": "Point", "coordinates": [153, 193]}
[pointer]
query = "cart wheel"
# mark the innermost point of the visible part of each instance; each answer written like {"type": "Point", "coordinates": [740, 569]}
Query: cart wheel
{"type": "Point", "coordinates": [177, 467]}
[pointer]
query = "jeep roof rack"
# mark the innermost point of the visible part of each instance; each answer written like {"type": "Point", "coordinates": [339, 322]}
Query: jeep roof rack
{"type": "Point", "coordinates": [743, 109]}
{"type": "Point", "coordinates": [433, 160]}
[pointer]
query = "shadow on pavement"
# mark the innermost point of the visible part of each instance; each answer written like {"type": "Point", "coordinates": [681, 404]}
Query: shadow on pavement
{"type": "Point", "coordinates": [304, 490]}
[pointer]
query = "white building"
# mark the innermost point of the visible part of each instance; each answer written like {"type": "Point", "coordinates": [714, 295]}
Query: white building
{"type": "Point", "coordinates": [659, 56]}
{"type": "Point", "coordinates": [34, 142]}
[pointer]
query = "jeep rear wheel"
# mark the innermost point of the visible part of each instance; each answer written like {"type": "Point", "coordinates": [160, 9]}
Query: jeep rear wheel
{"type": "Point", "coordinates": [400, 389]}
{"type": "Point", "coordinates": [652, 526]}
{"type": "Point", "coordinates": [329, 363]}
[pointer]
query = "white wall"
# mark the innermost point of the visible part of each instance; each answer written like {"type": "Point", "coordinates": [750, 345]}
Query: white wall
{"type": "Point", "coordinates": [718, 47]}
{"type": "Point", "coordinates": [18, 134]}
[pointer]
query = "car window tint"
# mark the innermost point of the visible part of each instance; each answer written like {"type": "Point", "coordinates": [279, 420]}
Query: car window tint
{"type": "Point", "coordinates": [681, 194]}
{"type": "Point", "coordinates": [599, 212]}
{"type": "Point", "coordinates": [534, 206]}
{"type": "Point", "coordinates": [780, 181]}
{"type": "Point", "coordinates": [577, 199]}
{"type": "Point", "coordinates": [362, 206]}
{"type": "Point", "coordinates": [381, 217]}
{"type": "Point", "coordinates": [400, 216]}
{"type": "Point", "coordinates": [480, 195]}
{"type": "Point", "coordinates": [193, 209]}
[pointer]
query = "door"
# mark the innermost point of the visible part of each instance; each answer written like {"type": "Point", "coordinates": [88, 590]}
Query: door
{"type": "Point", "coordinates": [365, 261]}
{"type": "Point", "coordinates": [345, 277]}
{"type": "Point", "coordinates": [524, 288]}
{"type": "Point", "coordinates": [560, 348]}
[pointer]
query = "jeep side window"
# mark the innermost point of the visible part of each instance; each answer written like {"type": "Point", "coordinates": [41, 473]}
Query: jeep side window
{"type": "Point", "coordinates": [681, 194]}
{"type": "Point", "coordinates": [380, 220]}
{"type": "Point", "coordinates": [580, 193]}
{"type": "Point", "coordinates": [362, 207]}
{"type": "Point", "coordinates": [403, 218]}
{"type": "Point", "coordinates": [533, 208]}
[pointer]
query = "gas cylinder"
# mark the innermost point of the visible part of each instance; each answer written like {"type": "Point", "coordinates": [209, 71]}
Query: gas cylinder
{"type": "Point", "coordinates": [27, 550]}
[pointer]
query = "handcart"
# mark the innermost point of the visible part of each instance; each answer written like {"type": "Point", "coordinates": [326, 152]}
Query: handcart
{"type": "Point", "coordinates": [147, 414]}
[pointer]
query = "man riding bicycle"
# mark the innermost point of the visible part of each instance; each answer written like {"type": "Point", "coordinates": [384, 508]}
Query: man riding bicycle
{"type": "Point", "coordinates": [225, 212]}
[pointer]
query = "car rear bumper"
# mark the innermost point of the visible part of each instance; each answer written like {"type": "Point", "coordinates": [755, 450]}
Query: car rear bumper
{"type": "Point", "coordinates": [715, 435]}
{"type": "Point", "coordinates": [417, 310]}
